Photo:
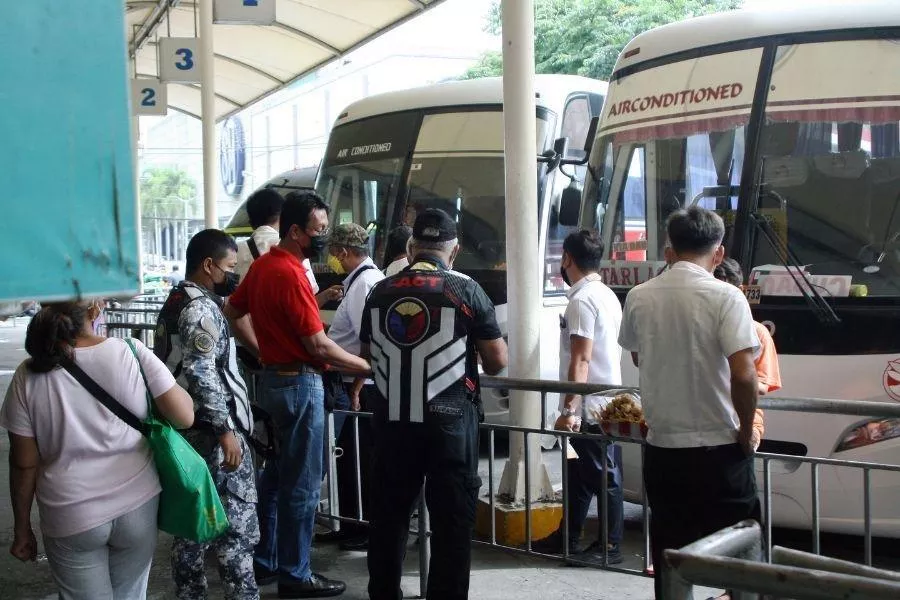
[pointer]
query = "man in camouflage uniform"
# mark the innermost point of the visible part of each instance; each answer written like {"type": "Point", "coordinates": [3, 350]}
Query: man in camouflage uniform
{"type": "Point", "coordinates": [194, 339]}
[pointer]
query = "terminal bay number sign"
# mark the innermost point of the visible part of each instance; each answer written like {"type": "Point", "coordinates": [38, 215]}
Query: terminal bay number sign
{"type": "Point", "coordinates": [148, 97]}
{"type": "Point", "coordinates": [244, 12]}
{"type": "Point", "coordinates": [178, 60]}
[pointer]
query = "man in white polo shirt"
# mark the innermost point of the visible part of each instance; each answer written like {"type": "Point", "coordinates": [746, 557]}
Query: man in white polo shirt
{"type": "Point", "coordinates": [693, 340]}
{"type": "Point", "coordinates": [589, 352]}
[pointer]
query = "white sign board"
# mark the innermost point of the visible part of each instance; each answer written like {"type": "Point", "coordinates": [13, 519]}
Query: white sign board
{"type": "Point", "coordinates": [178, 60]}
{"type": "Point", "coordinates": [244, 12]}
{"type": "Point", "coordinates": [148, 97]}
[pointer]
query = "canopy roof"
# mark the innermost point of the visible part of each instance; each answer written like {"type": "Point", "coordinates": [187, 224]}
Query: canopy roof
{"type": "Point", "coordinates": [252, 62]}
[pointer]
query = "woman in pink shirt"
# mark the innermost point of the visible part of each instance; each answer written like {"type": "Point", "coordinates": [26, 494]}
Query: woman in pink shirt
{"type": "Point", "coordinates": [96, 486]}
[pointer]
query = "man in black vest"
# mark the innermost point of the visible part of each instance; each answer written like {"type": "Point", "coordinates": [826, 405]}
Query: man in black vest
{"type": "Point", "coordinates": [422, 328]}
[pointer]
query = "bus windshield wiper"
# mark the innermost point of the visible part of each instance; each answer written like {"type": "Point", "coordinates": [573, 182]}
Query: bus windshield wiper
{"type": "Point", "coordinates": [819, 306]}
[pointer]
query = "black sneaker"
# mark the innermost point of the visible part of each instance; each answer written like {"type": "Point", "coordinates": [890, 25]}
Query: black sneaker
{"type": "Point", "coordinates": [593, 555]}
{"type": "Point", "coordinates": [264, 576]}
{"type": "Point", "coordinates": [553, 544]}
{"type": "Point", "coordinates": [317, 586]}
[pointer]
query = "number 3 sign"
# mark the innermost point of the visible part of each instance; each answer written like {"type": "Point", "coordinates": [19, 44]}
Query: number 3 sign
{"type": "Point", "coordinates": [148, 97]}
{"type": "Point", "coordinates": [178, 60]}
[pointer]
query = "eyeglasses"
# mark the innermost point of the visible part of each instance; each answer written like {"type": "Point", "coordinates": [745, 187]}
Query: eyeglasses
{"type": "Point", "coordinates": [323, 231]}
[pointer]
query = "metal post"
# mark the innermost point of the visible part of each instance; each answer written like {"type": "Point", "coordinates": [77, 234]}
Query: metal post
{"type": "Point", "coordinates": [867, 515]}
{"type": "Point", "coordinates": [424, 544]}
{"type": "Point", "coordinates": [208, 113]}
{"type": "Point", "coordinates": [524, 273]}
{"type": "Point", "coordinates": [528, 497]}
{"type": "Point", "coordinates": [491, 485]}
{"type": "Point", "coordinates": [645, 517]}
{"type": "Point", "coordinates": [357, 465]}
{"type": "Point", "coordinates": [565, 493]}
{"type": "Point", "coordinates": [334, 508]}
{"type": "Point", "coordinates": [767, 503]}
{"type": "Point", "coordinates": [816, 544]}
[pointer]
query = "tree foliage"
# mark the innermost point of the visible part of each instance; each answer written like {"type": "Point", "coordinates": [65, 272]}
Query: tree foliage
{"type": "Point", "coordinates": [167, 192]}
{"type": "Point", "coordinates": [584, 37]}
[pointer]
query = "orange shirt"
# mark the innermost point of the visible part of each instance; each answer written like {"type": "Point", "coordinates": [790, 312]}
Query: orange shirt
{"type": "Point", "coordinates": [766, 371]}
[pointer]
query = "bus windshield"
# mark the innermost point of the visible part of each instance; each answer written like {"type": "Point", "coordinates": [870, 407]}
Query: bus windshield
{"type": "Point", "coordinates": [827, 175]}
{"type": "Point", "coordinates": [382, 171]}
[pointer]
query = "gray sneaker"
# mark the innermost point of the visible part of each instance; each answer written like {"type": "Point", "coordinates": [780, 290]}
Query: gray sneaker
{"type": "Point", "coordinates": [593, 555]}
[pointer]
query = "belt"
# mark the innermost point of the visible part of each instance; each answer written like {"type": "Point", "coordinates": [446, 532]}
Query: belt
{"type": "Point", "coordinates": [297, 368]}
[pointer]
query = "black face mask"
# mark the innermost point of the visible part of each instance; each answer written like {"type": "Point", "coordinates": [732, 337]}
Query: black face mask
{"type": "Point", "coordinates": [227, 286]}
{"type": "Point", "coordinates": [317, 245]}
{"type": "Point", "coordinates": [565, 277]}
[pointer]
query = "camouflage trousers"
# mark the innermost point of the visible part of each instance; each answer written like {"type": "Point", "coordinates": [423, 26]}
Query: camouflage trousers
{"type": "Point", "coordinates": [234, 548]}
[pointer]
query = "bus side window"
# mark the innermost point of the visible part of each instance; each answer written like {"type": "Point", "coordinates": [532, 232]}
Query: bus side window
{"type": "Point", "coordinates": [630, 235]}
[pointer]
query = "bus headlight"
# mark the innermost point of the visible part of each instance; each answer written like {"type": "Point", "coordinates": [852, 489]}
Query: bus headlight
{"type": "Point", "coordinates": [869, 432]}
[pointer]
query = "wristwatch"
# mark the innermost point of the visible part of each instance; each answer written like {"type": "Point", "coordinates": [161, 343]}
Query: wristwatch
{"type": "Point", "coordinates": [568, 412]}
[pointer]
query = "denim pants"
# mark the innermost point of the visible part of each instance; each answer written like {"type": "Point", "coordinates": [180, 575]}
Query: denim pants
{"type": "Point", "coordinates": [289, 485]}
{"type": "Point", "coordinates": [586, 481]}
{"type": "Point", "coordinates": [110, 561]}
{"type": "Point", "coordinates": [442, 452]}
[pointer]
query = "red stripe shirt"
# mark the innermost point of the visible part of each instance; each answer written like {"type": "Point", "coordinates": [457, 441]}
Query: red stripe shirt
{"type": "Point", "coordinates": [277, 295]}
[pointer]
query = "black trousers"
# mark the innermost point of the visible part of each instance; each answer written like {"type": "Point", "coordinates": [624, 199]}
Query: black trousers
{"type": "Point", "coordinates": [693, 492]}
{"type": "Point", "coordinates": [442, 452]}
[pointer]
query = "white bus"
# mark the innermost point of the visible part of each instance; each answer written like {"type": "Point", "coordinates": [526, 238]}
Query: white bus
{"type": "Point", "coordinates": [786, 123]}
{"type": "Point", "coordinates": [392, 155]}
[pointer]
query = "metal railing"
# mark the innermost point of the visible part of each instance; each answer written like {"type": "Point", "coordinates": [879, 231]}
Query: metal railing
{"type": "Point", "coordinates": [730, 559]}
{"type": "Point", "coordinates": [134, 318]}
{"type": "Point", "coordinates": [810, 405]}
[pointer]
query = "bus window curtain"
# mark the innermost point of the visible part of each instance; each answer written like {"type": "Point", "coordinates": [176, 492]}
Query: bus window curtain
{"type": "Point", "coordinates": [886, 140]}
{"type": "Point", "coordinates": [849, 136]}
{"type": "Point", "coordinates": [814, 139]}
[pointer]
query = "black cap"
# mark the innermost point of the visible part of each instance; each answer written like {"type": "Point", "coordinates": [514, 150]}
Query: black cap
{"type": "Point", "coordinates": [434, 225]}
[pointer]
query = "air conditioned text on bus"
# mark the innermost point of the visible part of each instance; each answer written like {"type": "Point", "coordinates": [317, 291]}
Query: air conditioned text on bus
{"type": "Point", "coordinates": [360, 150]}
{"type": "Point", "coordinates": [682, 98]}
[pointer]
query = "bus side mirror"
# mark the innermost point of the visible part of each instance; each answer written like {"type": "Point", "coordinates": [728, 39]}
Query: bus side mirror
{"type": "Point", "coordinates": [570, 206]}
{"type": "Point", "coordinates": [580, 157]}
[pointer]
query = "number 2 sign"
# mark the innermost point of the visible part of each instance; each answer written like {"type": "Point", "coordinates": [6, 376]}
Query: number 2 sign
{"type": "Point", "coordinates": [148, 97]}
{"type": "Point", "coordinates": [178, 60]}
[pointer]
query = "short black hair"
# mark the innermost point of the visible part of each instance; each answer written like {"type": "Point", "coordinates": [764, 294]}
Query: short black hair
{"type": "Point", "coordinates": [585, 248]}
{"type": "Point", "coordinates": [396, 241]}
{"type": "Point", "coordinates": [694, 230]}
{"type": "Point", "coordinates": [729, 271]}
{"type": "Point", "coordinates": [209, 243]}
{"type": "Point", "coordinates": [264, 207]}
{"type": "Point", "coordinates": [298, 206]}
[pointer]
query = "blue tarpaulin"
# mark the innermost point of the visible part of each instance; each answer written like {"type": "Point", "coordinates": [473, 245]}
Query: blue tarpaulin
{"type": "Point", "coordinates": [68, 224]}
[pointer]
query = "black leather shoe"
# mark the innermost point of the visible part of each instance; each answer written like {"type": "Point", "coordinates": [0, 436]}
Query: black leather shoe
{"type": "Point", "coordinates": [264, 576]}
{"type": "Point", "coordinates": [317, 586]}
{"type": "Point", "coordinates": [357, 544]}
{"type": "Point", "coordinates": [331, 537]}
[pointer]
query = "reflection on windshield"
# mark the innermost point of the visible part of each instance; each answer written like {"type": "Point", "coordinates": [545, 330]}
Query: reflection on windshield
{"type": "Point", "coordinates": [471, 190]}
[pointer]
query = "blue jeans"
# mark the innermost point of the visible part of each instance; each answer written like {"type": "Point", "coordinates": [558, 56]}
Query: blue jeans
{"type": "Point", "coordinates": [289, 485]}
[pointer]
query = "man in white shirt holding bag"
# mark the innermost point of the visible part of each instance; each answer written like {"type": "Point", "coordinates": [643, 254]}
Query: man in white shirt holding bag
{"type": "Point", "coordinates": [589, 352]}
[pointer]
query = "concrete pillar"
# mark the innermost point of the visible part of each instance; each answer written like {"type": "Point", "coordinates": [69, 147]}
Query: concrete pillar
{"type": "Point", "coordinates": [208, 113]}
{"type": "Point", "coordinates": [523, 273]}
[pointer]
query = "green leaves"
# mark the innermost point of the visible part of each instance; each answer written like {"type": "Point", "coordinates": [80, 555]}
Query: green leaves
{"type": "Point", "coordinates": [167, 192]}
{"type": "Point", "coordinates": [584, 37]}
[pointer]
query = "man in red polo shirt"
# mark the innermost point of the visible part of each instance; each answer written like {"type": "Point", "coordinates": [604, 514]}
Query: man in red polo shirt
{"type": "Point", "coordinates": [294, 349]}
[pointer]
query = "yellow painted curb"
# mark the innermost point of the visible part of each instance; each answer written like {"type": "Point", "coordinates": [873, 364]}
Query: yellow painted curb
{"type": "Point", "coordinates": [510, 521]}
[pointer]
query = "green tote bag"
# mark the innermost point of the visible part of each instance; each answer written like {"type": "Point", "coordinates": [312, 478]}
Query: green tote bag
{"type": "Point", "coordinates": [189, 506]}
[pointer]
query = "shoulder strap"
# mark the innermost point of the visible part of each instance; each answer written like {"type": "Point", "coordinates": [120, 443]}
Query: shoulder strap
{"type": "Point", "coordinates": [143, 375]}
{"type": "Point", "coordinates": [254, 249]}
{"type": "Point", "coordinates": [357, 274]}
{"type": "Point", "coordinates": [102, 395]}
